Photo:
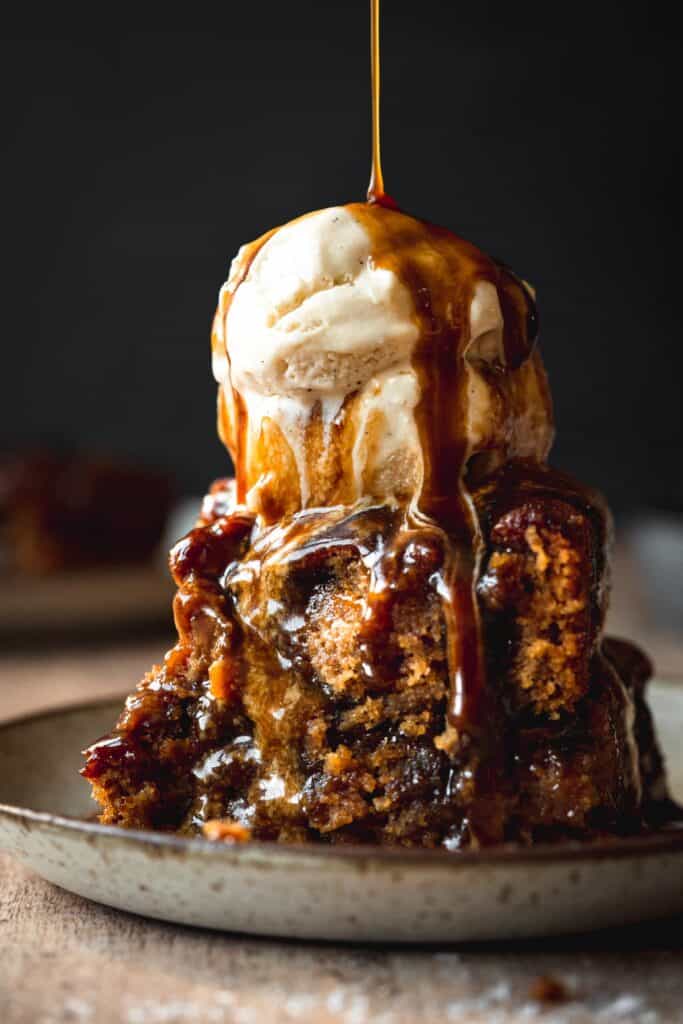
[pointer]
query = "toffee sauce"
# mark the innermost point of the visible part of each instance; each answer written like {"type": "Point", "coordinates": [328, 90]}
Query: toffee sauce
{"type": "Point", "coordinates": [441, 272]}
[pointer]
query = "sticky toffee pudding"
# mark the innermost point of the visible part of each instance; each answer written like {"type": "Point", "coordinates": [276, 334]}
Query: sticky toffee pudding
{"type": "Point", "coordinates": [390, 623]}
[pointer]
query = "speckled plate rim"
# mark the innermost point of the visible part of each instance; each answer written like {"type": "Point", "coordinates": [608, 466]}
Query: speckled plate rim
{"type": "Point", "coordinates": [666, 841]}
{"type": "Point", "coordinates": [311, 891]}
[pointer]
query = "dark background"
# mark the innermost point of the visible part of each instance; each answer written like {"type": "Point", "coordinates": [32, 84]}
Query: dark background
{"type": "Point", "coordinates": [135, 162]}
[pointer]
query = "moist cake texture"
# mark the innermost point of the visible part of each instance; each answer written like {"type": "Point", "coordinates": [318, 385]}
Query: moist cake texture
{"type": "Point", "coordinates": [390, 624]}
{"type": "Point", "coordinates": [283, 713]}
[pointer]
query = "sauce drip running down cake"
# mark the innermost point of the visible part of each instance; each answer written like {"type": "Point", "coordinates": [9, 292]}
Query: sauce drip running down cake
{"type": "Point", "coordinates": [390, 623]}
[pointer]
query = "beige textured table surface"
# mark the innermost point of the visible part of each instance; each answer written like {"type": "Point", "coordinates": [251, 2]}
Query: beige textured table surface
{"type": "Point", "coordinates": [63, 959]}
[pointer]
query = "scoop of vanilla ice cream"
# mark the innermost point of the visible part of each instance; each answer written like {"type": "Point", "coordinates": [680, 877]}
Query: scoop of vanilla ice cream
{"type": "Point", "coordinates": [319, 317]}
{"type": "Point", "coordinates": [313, 328]}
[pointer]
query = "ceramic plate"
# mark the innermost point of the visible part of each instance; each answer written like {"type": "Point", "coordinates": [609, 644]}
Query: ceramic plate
{"type": "Point", "coordinates": [322, 892]}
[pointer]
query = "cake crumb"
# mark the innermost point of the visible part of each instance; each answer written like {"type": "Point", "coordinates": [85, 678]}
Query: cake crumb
{"type": "Point", "coordinates": [224, 830]}
{"type": "Point", "coordinates": [536, 544]}
{"type": "Point", "coordinates": [338, 761]}
{"type": "Point", "coordinates": [447, 741]}
{"type": "Point", "coordinates": [222, 679]}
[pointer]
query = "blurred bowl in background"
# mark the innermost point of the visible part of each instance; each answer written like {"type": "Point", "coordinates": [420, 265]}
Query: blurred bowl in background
{"type": "Point", "coordinates": [656, 547]}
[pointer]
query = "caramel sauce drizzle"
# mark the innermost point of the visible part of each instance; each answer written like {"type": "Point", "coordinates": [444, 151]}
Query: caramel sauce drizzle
{"type": "Point", "coordinates": [440, 271]}
{"type": "Point", "coordinates": [219, 343]}
{"type": "Point", "coordinates": [414, 250]}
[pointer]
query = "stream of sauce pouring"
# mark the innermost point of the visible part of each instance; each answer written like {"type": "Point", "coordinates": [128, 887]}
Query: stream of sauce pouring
{"type": "Point", "coordinates": [376, 192]}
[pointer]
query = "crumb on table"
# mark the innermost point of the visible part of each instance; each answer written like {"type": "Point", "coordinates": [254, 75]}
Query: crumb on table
{"type": "Point", "coordinates": [549, 990]}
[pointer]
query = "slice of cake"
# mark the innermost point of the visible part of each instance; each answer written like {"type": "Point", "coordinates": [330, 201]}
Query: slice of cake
{"type": "Point", "coordinates": [390, 625]}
